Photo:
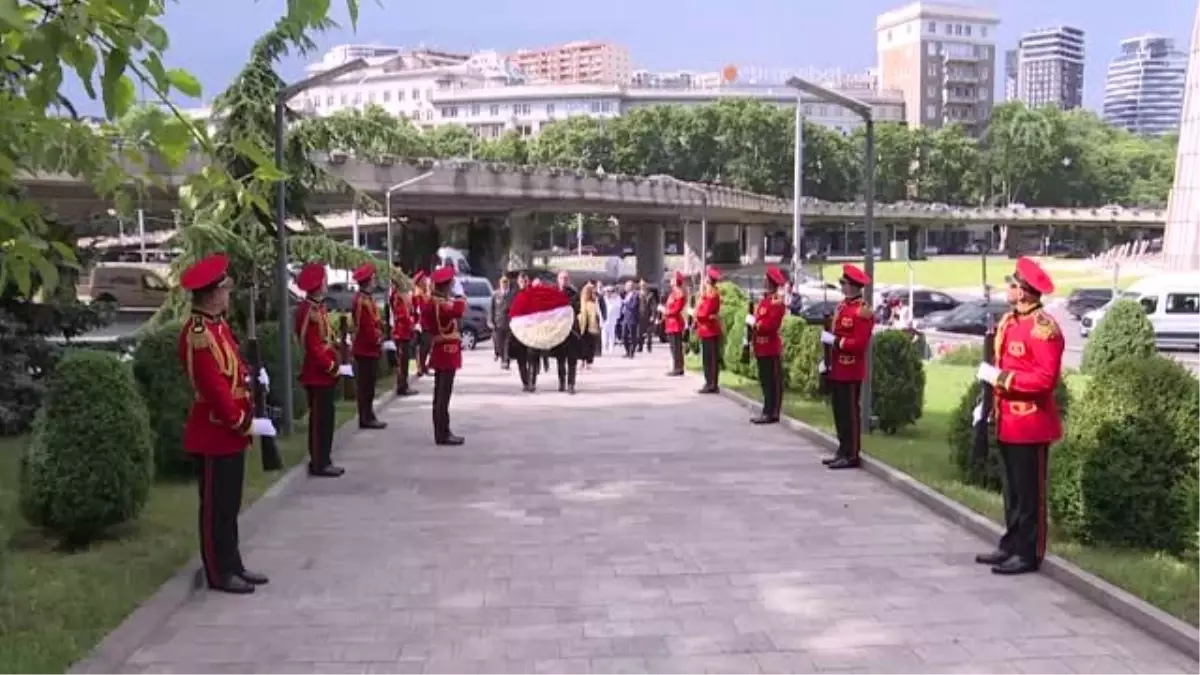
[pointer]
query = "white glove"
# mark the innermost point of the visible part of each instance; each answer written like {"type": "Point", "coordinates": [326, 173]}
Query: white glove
{"type": "Point", "coordinates": [828, 338]}
{"type": "Point", "coordinates": [264, 379]}
{"type": "Point", "coordinates": [662, 308]}
{"type": "Point", "coordinates": [977, 415]}
{"type": "Point", "coordinates": [261, 426]}
{"type": "Point", "coordinates": [346, 370]}
{"type": "Point", "coordinates": [821, 368]}
{"type": "Point", "coordinates": [389, 346]}
{"type": "Point", "coordinates": [988, 373]}
{"type": "Point", "coordinates": [749, 320]}
{"type": "Point", "coordinates": [689, 311]}
{"type": "Point", "coordinates": [417, 328]}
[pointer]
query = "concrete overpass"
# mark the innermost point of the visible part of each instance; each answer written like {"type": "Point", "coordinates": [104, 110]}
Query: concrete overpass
{"type": "Point", "coordinates": [506, 197]}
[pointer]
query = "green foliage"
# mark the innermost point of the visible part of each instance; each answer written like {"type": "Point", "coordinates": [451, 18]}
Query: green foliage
{"type": "Point", "coordinates": [268, 344]}
{"type": "Point", "coordinates": [735, 305]}
{"type": "Point", "coordinates": [88, 464]}
{"type": "Point", "coordinates": [1126, 472]}
{"type": "Point", "coordinates": [960, 435]}
{"type": "Point", "coordinates": [963, 355]}
{"type": "Point", "coordinates": [1124, 331]}
{"type": "Point", "coordinates": [897, 380]}
{"type": "Point", "coordinates": [801, 353]}
{"type": "Point", "coordinates": [167, 394]}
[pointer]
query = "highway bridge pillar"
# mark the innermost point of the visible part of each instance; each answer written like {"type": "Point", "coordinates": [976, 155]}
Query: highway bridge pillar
{"type": "Point", "coordinates": [520, 241]}
{"type": "Point", "coordinates": [755, 236]}
{"type": "Point", "coordinates": [651, 238]}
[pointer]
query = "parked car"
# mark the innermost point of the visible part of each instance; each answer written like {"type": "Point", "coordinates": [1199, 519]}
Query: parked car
{"type": "Point", "coordinates": [813, 313]}
{"type": "Point", "coordinates": [925, 302]}
{"type": "Point", "coordinates": [969, 318]}
{"type": "Point", "coordinates": [474, 328]}
{"type": "Point", "coordinates": [477, 291]}
{"type": "Point", "coordinates": [128, 286]}
{"type": "Point", "coordinates": [1083, 300]}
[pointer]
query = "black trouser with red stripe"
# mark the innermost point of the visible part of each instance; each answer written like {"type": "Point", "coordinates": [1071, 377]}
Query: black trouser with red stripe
{"type": "Point", "coordinates": [709, 350]}
{"type": "Point", "coordinates": [770, 377]}
{"type": "Point", "coordinates": [366, 376]}
{"type": "Point", "coordinates": [221, 479]}
{"type": "Point", "coordinates": [403, 359]}
{"type": "Point", "coordinates": [676, 342]}
{"type": "Point", "coordinates": [846, 419]}
{"type": "Point", "coordinates": [322, 411]}
{"type": "Point", "coordinates": [1024, 500]}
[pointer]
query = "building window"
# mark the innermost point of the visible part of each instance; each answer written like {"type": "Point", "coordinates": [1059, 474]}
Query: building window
{"type": "Point", "coordinates": [931, 91]}
{"type": "Point", "coordinates": [549, 108]}
{"type": "Point", "coordinates": [983, 31]}
{"type": "Point", "coordinates": [429, 94]}
{"type": "Point", "coordinates": [399, 95]}
{"type": "Point", "coordinates": [371, 97]}
{"type": "Point", "coordinates": [932, 70]}
{"type": "Point", "coordinates": [932, 26]}
{"type": "Point", "coordinates": [521, 109]}
{"type": "Point", "coordinates": [416, 94]}
{"type": "Point", "coordinates": [967, 30]}
{"type": "Point", "coordinates": [387, 95]}
{"type": "Point", "coordinates": [329, 100]}
{"type": "Point", "coordinates": [595, 107]}
{"type": "Point", "coordinates": [450, 111]}
{"type": "Point", "coordinates": [931, 47]}
{"type": "Point", "coordinates": [807, 110]}
{"type": "Point", "coordinates": [428, 115]}
{"type": "Point", "coordinates": [342, 99]}
{"type": "Point", "coordinates": [357, 97]}
{"type": "Point", "coordinates": [606, 106]}
{"type": "Point", "coordinates": [494, 110]}
{"type": "Point", "coordinates": [949, 29]}
{"type": "Point", "coordinates": [958, 29]}
{"type": "Point", "coordinates": [474, 111]}
{"type": "Point", "coordinates": [930, 111]}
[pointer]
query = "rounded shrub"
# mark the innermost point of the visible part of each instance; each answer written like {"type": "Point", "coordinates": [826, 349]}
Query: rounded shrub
{"type": "Point", "coordinates": [897, 380]}
{"type": "Point", "coordinates": [1126, 474]}
{"type": "Point", "coordinates": [1124, 331]}
{"type": "Point", "coordinates": [167, 394]}
{"type": "Point", "coordinates": [88, 465]}
{"type": "Point", "coordinates": [961, 433]}
{"type": "Point", "coordinates": [801, 354]}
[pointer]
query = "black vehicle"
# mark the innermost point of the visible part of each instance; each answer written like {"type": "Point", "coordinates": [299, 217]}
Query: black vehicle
{"type": "Point", "coordinates": [969, 318]}
{"type": "Point", "coordinates": [813, 313]}
{"type": "Point", "coordinates": [474, 328]}
{"type": "Point", "coordinates": [925, 302]}
{"type": "Point", "coordinates": [1083, 300]}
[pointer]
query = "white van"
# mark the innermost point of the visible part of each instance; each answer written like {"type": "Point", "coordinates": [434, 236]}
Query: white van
{"type": "Point", "coordinates": [1171, 303]}
{"type": "Point", "coordinates": [455, 258]}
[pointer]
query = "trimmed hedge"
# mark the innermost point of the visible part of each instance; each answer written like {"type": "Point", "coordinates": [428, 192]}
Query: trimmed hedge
{"type": "Point", "coordinates": [897, 380]}
{"type": "Point", "coordinates": [960, 435]}
{"type": "Point", "coordinates": [801, 354]}
{"type": "Point", "coordinates": [88, 464]}
{"type": "Point", "coordinates": [167, 394]}
{"type": "Point", "coordinates": [1124, 331]}
{"type": "Point", "coordinates": [1126, 473]}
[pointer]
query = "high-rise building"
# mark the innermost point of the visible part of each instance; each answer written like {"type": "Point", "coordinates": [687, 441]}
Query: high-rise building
{"type": "Point", "coordinates": [1050, 67]}
{"type": "Point", "coordinates": [575, 63]}
{"type": "Point", "coordinates": [1144, 89]}
{"type": "Point", "coordinates": [1012, 66]}
{"type": "Point", "coordinates": [943, 57]}
{"type": "Point", "coordinates": [1181, 243]}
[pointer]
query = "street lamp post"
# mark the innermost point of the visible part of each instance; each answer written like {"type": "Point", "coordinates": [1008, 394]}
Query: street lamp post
{"type": "Point", "coordinates": [864, 111]}
{"type": "Point", "coordinates": [797, 192]}
{"type": "Point", "coordinates": [282, 97]}
{"type": "Point", "coordinates": [388, 209]}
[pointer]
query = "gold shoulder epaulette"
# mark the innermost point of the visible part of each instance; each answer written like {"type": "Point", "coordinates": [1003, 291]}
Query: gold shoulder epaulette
{"type": "Point", "coordinates": [198, 337]}
{"type": "Point", "coordinates": [1044, 326]}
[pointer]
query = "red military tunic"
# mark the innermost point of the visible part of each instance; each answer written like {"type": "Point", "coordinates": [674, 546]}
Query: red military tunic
{"type": "Point", "coordinates": [708, 315]}
{"type": "Point", "coordinates": [673, 322]}
{"type": "Point", "coordinates": [218, 422]}
{"type": "Point", "coordinates": [768, 319]}
{"type": "Point", "coordinates": [853, 323]}
{"type": "Point", "coordinates": [445, 352]}
{"type": "Point", "coordinates": [402, 318]}
{"type": "Point", "coordinates": [368, 330]}
{"type": "Point", "coordinates": [424, 307]}
{"type": "Point", "coordinates": [316, 336]}
{"type": "Point", "coordinates": [1029, 350]}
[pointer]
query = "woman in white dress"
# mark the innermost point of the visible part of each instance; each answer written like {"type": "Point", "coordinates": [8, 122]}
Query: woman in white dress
{"type": "Point", "coordinates": [612, 305]}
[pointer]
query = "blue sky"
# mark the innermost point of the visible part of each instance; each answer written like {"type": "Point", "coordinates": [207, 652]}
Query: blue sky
{"type": "Point", "coordinates": [210, 37]}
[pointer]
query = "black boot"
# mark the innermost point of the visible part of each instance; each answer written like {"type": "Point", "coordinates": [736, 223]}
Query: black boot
{"type": "Point", "coordinates": [843, 463]}
{"type": "Point", "coordinates": [1016, 565]}
{"type": "Point", "coordinates": [233, 584]}
{"type": "Point", "coordinates": [253, 578]}
{"type": "Point", "coordinates": [996, 557]}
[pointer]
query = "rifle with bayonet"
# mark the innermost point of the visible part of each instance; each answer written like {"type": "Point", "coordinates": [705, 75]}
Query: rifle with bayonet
{"type": "Point", "coordinates": [271, 459]}
{"type": "Point", "coordinates": [390, 292]}
{"type": "Point", "coordinates": [981, 423]}
{"type": "Point", "coordinates": [349, 392]}
{"type": "Point", "coordinates": [826, 350]}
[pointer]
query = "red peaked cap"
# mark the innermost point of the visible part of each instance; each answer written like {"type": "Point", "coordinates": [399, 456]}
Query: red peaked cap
{"type": "Point", "coordinates": [855, 275]}
{"type": "Point", "coordinates": [311, 277]}
{"type": "Point", "coordinates": [1032, 276]}
{"type": "Point", "coordinates": [537, 299]}
{"type": "Point", "coordinates": [205, 272]}
{"type": "Point", "coordinates": [364, 272]}
{"type": "Point", "coordinates": [679, 278]}
{"type": "Point", "coordinates": [776, 275]}
{"type": "Point", "coordinates": [713, 272]}
{"type": "Point", "coordinates": [442, 274]}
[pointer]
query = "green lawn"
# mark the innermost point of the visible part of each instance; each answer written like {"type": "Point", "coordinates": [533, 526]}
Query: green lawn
{"type": "Point", "coordinates": [1167, 582]}
{"type": "Point", "coordinates": [55, 607]}
{"type": "Point", "coordinates": [967, 273]}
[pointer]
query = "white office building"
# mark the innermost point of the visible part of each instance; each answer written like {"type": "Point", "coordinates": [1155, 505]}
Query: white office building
{"type": "Point", "coordinates": [1144, 89]}
{"type": "Point", "coordinates": [485, 93]}
{"type": "Point", "coordinates": [1050, 67]}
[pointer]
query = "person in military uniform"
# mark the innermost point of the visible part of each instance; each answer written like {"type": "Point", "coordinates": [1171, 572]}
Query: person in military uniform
{"type": "Point", "coordinates": [445, 353]}
{"type": "Point", "coordinates": [367, 346]}
{"type": "Point", "coordinates": [853, 324]}
{"type": "Point", "coordinates": [673, 322]}
{"type": "Point", "coordinates": [1028, 366]}
{"type": "Point", "coordinates": [402, 336]}
{"type": "Point", "coordinates": [527, 359]}
{"type": "Point", "coordinates": [321, 371]}
{"type": "Point", "coordinates": [220, 423]}
{"type": "Point", "coordinates": [768, 346]}
{"type": "Point", "coordinates": [566, 354]}
{"type": "Point", "coordinates": [708, 329]}
{"type": "Point", "coordinates": [421, 307]}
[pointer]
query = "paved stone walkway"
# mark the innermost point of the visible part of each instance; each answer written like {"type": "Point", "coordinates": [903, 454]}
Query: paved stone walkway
{"type": "Point", "coordinates": [635, 527]}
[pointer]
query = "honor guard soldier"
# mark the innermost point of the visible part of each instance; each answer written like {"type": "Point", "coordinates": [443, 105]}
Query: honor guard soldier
{"type": "Point", "coordinates": [853, 323]}
{"type": "Point", "coordinates": [402, 335]}
{"type": "Point", "coordinates": [708, 329]}
{"type": "Point", "coordinates": [219, 424]}
{"type": "Point", "coordinates": [673, 322]}
{"type": "Point", "coordinates": [422, 313]}
{"type": "Point", "coordinates": [445, 355]}
{"type": "Point", "coordinates": [367, 346]}
{"type": "Point", "coordinates": [768, 346]}
{"type": "Point", "coordinates": [320, 372]}
{"type": "Point", "coordinates": [1028, 358]}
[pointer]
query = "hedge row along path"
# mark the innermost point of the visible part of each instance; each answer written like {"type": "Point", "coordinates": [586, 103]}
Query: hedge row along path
{"type": "Point", "coordinates": [634, 527]}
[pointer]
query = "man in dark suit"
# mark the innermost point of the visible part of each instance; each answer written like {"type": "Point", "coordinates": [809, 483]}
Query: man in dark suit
{"type": "Point", "coordinates": [647, 316]}
{"type": "Point", "coordinates": [630, 322]}
{"type": "Point", "coordinates": [566, 355]}
{"type": "Point", "coordinates": [498, 315]}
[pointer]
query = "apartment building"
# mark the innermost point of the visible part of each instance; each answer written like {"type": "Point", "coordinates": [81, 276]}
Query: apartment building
{"type": "Point", "coordinates": [589, 62]}
{"type": "Point", "coordinates": [1144, 88]}
{"type": "Point", "coordinates": [1050, 67]}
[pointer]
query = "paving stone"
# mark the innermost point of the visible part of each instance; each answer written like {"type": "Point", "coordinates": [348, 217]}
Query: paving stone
{"type": "Point", "coordinates": [634, 527]}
